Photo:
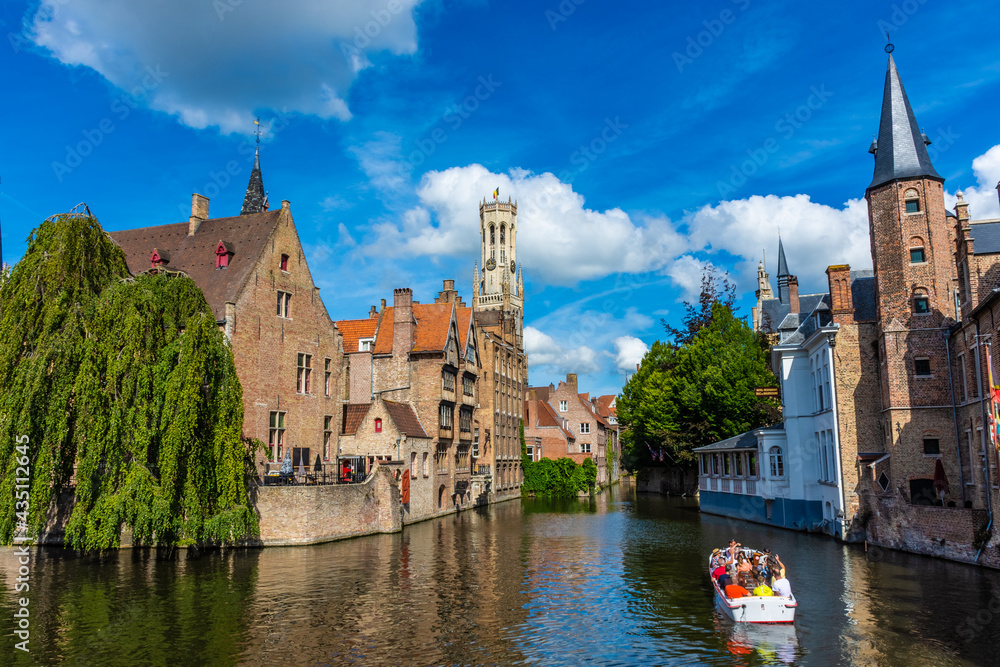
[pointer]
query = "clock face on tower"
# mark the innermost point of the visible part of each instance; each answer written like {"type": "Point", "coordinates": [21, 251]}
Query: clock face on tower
{"type": "Point", "coordinates": [513, 266]}
{"type": "Point", "coordinates": [491, 264]}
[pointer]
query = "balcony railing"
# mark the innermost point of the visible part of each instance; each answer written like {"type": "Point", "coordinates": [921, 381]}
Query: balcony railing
{"type": "Point", "coordinates": [481, 469]}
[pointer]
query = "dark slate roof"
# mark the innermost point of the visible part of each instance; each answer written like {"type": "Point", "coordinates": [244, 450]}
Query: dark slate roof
{"type": "Point", "coordinates": [900, 151]}
{"type": "Point", "coordinates": [863, 295]}
{"type": "Point", "coordinates": [405, 419]}
{"type": "Point", "coordinates": [195, 255]}
{"type": "Point", "coordinates": [776, 312]}
{"type": "Point", "coordinates": [986, 237]}
{"type": "Point", "coordinates": [742, 441]}
{"type": "Point", "coordinates": [253, 202]}
{"type": "Point", "coordinates": [782, 263]}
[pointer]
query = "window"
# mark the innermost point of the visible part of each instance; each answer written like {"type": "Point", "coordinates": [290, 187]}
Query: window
{"type": "Point", "coordinates": [465, 420]}
{"type": "Point", "coordinates": [284, 262]}
{"type": "Point", "coordinates": [365, 344]}
{"type": "Point", "coordinates": [475, 443]}
{"type": "Point", "coordinates": [276, 436]}
{"type": "Point", "coordinates": [413, 465]}
{"type": "Point", "coordinates": [921, 304]}
{"type": "Point", "coordinates": [701, 464]}
{"type": "Point", "coordinates": [584, 447]}
{"type": "Point", "coordinates": [912, 198]}
{"type": "Point", "coordinates": [468, 385]}
{"type": "Point", "coordinates": [378, 424]}
{"type": "Point", "coordinates": [304, 377]}
{"type": "Point", "coordinates": [426, 466]}
{"type": "Point", "coordinates": [531, 452]}
{"type": "Point", "coordinates": [777, 464]}
{"type": "Point", "coordinates": [922, 366]}
{"type": "Point", "coordinates": [327, 436]}
{"type": "Point", "coordinates": [448, 381]}
{"type": "Point", "coordinates": [738, 460]}
{"type": "Point", "coordinates": [932, 446]}
{"type": "Point", "coordinates": [917, 256]}
{"type": "Point", "coordinates": [752, 465]}
{"type": "Point", "coordinates": [715, 464]}
{"type": "Point", "coordinates": [326, 377]}
{"type": "Point", "coordinates": [965, 382]}
{"type": "Point", "coordinates": [726, 470]}
{"type": "Point", "coordinates": [824, 472]}
{"type": "Point", "coordinates": [222, 256]}
{"type": "Point", "coordinates": [445, 416]}
{"type": "Point", "coordinates": [563, 406]}
{"type": "Point", "coordinates": [585, 427]}
{"type": "Point", "coordinates": [284, 304]}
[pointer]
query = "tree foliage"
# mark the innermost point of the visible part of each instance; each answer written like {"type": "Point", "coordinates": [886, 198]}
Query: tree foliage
{"type": "Point", "coordinates": [129, 380]}
{"type": "Point", "coordinates": [559, 477]}
{"type": "Point", "coordinates": [692, 394]}
{"type": "Point", "coordinates": [714, 289]}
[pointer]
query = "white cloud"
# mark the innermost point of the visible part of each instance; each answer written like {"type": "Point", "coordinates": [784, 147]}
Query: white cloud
{"type": "Point", "coordinates": [559, 240]}
{"type": "Point", "coordinates": [814, 235]}
{"type": "Point", "coordinates": [982, 198]}
{"type": "Point", "coordinates": [221, 61]}
{"type": "Point", "coordinates": [543, 350]}
{"type": "Point", "coordinates": [629, 351]}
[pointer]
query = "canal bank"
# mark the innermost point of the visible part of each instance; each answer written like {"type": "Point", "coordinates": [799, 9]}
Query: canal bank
{"type": "Point", "coordinates": [614, 579]}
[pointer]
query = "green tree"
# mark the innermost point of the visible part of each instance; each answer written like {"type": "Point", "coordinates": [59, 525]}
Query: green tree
{"type": "Point", "coordinates": [130, 381]}
{"type": "Point", "coordinates": [692, 394]}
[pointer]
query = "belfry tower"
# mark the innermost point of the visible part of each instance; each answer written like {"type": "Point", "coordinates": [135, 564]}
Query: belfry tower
{"type": "Point", "coordinates": [498, 313]}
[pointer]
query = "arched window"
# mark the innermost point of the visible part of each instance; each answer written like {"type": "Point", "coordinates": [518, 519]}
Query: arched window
{"type": "Point", "coordinates": [917, 255]}
{"type": "Point", "coordinates": [493, 242]}
{"type": "Point", "coordinates": [503, 245]}
{"type": "Point", "coordinates": [912, 199]}
{"type": "Point", "coordinates": [777, 464]}
{"type": "Point", "coordinates": [378, 425]}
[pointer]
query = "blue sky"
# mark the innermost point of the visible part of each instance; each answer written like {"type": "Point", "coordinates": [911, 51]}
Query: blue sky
{"type": "Point", "coordinates": [642, 140]}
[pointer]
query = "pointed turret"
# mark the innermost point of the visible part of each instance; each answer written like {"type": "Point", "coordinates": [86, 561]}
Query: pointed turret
{"type": "Point", "coordinates": [783, 274]}
{"type": "Point", "coordinates": [901, 148]}
{"type": "Point", "coordinates": [763, 283]}
{"type": "Point", "coordinates": [255, 200]}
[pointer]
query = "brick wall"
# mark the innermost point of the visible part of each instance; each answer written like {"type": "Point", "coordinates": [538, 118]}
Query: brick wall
{"type": "Point", "coordinates": [266, 347]}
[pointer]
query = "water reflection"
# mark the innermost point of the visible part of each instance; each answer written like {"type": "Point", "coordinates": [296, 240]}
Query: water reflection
{"type": "Point", "coordinates": [613, 580]}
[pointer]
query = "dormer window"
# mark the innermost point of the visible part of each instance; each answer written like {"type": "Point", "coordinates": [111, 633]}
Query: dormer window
{"type": "Point", "coordinates": [284, 262]}
{"type": "Point", "coordinates": [365, 344]}
{"type": "Point", "coordinates": [912, 199]}
{"type": "Point", "coordinates": [223, 252]}
{"type": "Point", "coordinates": [378, 425]}
{"type": "Point", "coordinates": [159, 258]}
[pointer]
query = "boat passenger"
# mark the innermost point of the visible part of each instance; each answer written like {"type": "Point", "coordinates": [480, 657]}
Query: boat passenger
{"type": "Point", "coordinates": [719, 571]}
{"type": "Point", "coordinates": [734, 591]}
{"type": "Point", "coordinates": [724, 580]}
{"type": "Point", "coordinates": [762, 588]}
{"type": "Point", "coordinates": [743, 568]}
{"type": "Point", "coordinates": [782, 588]}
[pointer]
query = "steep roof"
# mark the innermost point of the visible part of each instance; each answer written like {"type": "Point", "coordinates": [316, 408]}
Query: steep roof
{"type": "Point", "coordinates": [255, 199]}
{"type": "Point", "coordinates": [742, 441]}
{"type": "Point", "coordinates": [464, 317]}
{"type": "Point", "coordinates": [547, 417]}
{"type": "Point", "coordinates": [585, 401]}
{"type": "Point", "coordinates": [405, 419]}
{"type": "Point", "coordinates": [352, 330]}
{"type": "Point", "coordinates": [354, 414]}
{"type": "Point", "coordinates": [430, 333]}
{"type": "Point", "coordinates": [901, 148]}
{"type": "Point", "coordinates": [246, 235]}
{"type": "Point", "coordinates": [782, 262]}
{"type": "Point", "coordinates": [986, 236]}
{"type": "Point", "coordinates": [605, 406]}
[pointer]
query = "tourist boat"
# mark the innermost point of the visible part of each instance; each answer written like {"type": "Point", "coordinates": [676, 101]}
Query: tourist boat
{"type": "Point", "coordinates": [754, 608]}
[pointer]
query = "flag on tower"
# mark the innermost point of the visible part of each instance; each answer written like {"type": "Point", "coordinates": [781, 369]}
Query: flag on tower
{"type": "Point", "coordinates": [496, 193]}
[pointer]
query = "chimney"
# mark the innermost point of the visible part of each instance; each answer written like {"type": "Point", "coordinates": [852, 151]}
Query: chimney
{"type": "Point", "coordinates": [841, 301]}
{"type": "Point", "coordinates": [199, 212]}
{"type": "Point", "coordinates": [286, 205]}
{"type": "Point", "coordinates": [373, 313]}
{"type": "Point", "coordinates": [381, 306]}
{"type": "Point", "coordinates": [402, 322]}
{"type": "Point", "coordinates": [449, 285]}
{"type": "Point", "coordinates": [793, 293]}
{"type": "Point", "coordinates": [571, 380]}
{"type": "Point", "coordinates": [448, 294]}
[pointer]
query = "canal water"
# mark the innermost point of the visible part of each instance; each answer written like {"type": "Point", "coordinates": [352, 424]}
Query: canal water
{"type": "Point", "coordinates": [615, 580]}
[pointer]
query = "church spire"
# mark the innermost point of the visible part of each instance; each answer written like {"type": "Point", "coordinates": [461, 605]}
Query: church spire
{"type": "Point", "coordinates": [255, 200]}
{"type": "Point", "coordinates": [901, 148]}
{"type": "Point", "coordinates": [783, 275]}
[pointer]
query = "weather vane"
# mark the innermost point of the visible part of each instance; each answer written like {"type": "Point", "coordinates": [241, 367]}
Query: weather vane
{"type": "Point", "coordinates": [256, 130]}
{"type": "Point", "coordinates": [888, 46]}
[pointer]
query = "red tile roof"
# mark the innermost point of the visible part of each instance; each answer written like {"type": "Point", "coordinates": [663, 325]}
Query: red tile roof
{"type": "Point", "coordinates": [464, 317]}
{"type": "Point", "coordinates": [195, 255]}
{"type": "Point", "coordinates": [430, 333]}
{"type": "Point", "coordinates": [405, 419]}
{"type": "Point", "coordinates": [354, 414]}
{"type": "Point", "coordinates": [352, 330]}
{"type": "Point", "coordinates": [590, 408]}
{"type": "Point", "coordinates": [548, 417]}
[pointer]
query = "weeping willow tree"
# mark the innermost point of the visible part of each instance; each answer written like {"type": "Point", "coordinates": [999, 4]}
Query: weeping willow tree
{"type": "Point", "coordinates": [128, 379]}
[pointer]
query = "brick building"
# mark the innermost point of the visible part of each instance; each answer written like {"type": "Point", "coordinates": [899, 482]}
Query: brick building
{"type": "Point", "coordinates": [254, 275]}
{"type": "Point", "coordinates": [498, 316]}
{"type": "Point", "coordinates": [563, 423]}
{"type": "Point", "coordinates": [424, 358]}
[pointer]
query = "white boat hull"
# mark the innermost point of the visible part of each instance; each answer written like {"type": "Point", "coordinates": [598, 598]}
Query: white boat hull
{"type": "Point", "coordinates": [755, 608]}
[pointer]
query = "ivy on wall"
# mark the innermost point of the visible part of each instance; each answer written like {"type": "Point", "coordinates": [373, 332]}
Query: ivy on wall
{"type": "Point", "coordinates": [131, 381]}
